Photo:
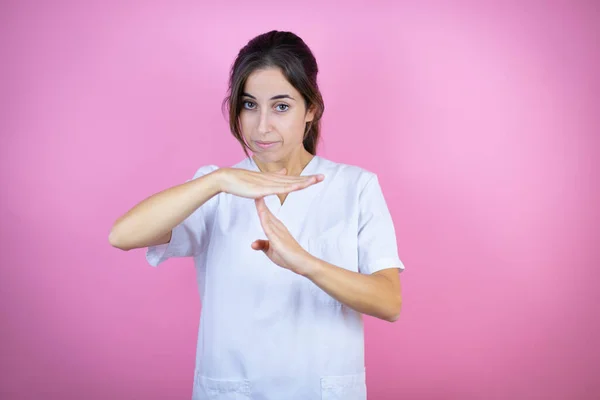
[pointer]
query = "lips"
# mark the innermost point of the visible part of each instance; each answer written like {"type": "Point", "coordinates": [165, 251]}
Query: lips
{"type": "Point", "coordinates": [265, 145]}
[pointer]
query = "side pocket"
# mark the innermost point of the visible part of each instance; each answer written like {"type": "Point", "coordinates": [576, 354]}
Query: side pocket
{"type": "Point", "coordinates": [344, 387]}
{"type": "Point", "coordinates": [219, 389]}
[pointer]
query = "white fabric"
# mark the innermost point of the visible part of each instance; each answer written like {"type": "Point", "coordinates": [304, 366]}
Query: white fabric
{"type": "Point", "coordinates": [269, 334]}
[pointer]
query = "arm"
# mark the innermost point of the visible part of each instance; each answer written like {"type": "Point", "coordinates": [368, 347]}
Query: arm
{"type": "Point", "coordinates": [377, 294]}
{"type": "Point", "coordinates": [151, 221]}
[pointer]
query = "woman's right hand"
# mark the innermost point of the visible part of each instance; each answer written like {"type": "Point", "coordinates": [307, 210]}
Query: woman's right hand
{"type": "Point", "coordinates": [253, 185]}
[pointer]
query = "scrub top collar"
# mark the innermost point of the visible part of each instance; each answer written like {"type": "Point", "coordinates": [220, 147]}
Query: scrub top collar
{"type": "Point", "coordinates": [296, 202]}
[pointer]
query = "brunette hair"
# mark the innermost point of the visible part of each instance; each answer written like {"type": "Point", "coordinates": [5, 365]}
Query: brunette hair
{"type": "Point", "coordinates": [289, 53]}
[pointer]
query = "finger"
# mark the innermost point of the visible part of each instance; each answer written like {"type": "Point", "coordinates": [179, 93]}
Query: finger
{"type": "Point", "coordinates": [284, 180]}
{"type": "Point", "coordinates": [309, 180]}
{"type": "Point", "coordinates": [319, 177]}
{"type": "Point", "coordinates": [280, 178]}
{"type": "Point", "coordinates": [261, 245]}
{"type": "Point", "coordinates": [263, 214]}
{"type": "Point", "coordinates": [272, 226]}
{"type": "Point", "coordinates": [282, 184]}
{"type": "Point", "coordinates": [296, 186]}
{"type": "Point", "coordinates": [277, 227]}
{"type": "Point", "coordinates": [261, 206]}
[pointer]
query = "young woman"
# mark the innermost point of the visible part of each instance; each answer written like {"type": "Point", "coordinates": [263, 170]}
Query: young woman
{"type": "Point", "coordinates": [290, 248]}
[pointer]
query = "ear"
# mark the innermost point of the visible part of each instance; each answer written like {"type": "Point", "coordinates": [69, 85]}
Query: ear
{"type": "Point", "coordinates": [310, 113]}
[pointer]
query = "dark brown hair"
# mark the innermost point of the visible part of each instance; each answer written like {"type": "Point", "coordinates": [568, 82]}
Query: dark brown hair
{"type": "Point", "coordinates": [289, 53]}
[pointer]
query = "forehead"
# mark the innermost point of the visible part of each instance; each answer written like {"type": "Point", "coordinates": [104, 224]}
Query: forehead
{"type": "Point", "coordinates": [266, 83]}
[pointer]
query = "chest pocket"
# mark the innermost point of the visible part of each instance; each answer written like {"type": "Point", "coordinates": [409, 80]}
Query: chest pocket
{"type": "Point", "coordinates": [335, 248]}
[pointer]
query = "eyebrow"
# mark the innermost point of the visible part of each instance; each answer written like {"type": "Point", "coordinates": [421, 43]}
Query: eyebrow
{"type": "Point", "coordinates": [279, 96]}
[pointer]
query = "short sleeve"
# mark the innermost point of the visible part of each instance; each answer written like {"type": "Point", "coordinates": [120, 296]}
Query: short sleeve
{"type": "Point", "coordinates": [377, 247]}
{"type": "Point", "coordinates": [190, 237]}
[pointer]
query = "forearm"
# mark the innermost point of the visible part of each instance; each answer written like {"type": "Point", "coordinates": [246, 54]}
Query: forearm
{"type": "Point", "coordinates": [157, 215]}
{"type": "Point", "coordinates": [374, 295]}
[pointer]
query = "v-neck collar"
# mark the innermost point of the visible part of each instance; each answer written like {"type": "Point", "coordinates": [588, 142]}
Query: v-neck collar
{"type": "Point", "coordinates": [273, 202]}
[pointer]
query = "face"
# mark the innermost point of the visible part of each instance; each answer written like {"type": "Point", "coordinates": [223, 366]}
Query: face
{"type": "Point", "coordinates": [273, 116]}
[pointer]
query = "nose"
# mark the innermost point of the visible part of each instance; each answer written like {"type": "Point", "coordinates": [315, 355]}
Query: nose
{"type": "Point", "coordinates": [263, 122]}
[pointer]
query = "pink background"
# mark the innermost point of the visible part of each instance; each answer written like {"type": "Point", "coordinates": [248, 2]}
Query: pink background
{"type": "Point", "coordinates": [481, 120]}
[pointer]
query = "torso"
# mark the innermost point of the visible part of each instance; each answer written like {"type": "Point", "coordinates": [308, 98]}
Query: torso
{"type": "Point", "coordinates": [265, 330]}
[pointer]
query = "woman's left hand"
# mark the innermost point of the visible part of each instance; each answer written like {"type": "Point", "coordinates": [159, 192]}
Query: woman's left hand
{"type": "Point", "coordinates": [280, 246]}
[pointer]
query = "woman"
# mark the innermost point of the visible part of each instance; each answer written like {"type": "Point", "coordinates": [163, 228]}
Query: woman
{"type": "Point", "coordinates": [290, 248]}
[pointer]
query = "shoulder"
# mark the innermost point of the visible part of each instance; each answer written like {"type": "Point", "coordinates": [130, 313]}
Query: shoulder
{"type": "Point", "coordinates": [204, 170]}
{"type": "Point", "coordinates": [246, 163]}
{"type": "Point", "coordinates": [355, 175]}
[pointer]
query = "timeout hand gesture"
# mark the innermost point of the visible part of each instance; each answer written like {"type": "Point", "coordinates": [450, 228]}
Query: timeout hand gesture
{"type": "Point", "coordinates": [280, 246]}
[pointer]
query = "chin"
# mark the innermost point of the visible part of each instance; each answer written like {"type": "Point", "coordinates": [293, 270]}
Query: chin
{"type": "Point", "coordinates": [267, 156]}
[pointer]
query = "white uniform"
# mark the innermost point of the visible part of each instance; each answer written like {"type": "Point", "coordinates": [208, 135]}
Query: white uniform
{"type": "Point", "coordinates": [265, 332]}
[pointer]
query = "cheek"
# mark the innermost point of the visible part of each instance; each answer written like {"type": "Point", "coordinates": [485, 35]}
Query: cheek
{"type": "Point", "coordinates": [292, 128]}
{"type": "Point", "coordinates": [246, 123]}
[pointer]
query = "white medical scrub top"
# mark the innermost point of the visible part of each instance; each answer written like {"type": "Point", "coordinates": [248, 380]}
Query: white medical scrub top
{"type": "Point", "coordinates": [265, 332]}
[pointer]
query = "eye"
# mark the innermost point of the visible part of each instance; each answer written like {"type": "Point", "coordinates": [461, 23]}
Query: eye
{"type": "Point", "coordinates": [282, 107]}
{"type": "Point", "coordinates": [249, 105]}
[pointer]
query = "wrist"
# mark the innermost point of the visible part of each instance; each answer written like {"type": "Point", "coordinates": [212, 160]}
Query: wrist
{"type": "Point", "coordinates": [217, 180]}
{"type": "Point", "coordinates": [206, 187]}
{"type": "Point", "coordinates": [311, 268]}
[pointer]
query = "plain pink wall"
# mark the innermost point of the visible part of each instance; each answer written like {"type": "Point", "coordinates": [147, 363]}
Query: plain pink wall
{"type": "Point", "coordinates": [481, 120]}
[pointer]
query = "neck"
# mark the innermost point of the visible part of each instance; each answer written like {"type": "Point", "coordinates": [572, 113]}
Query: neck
{"type": "Point", "coordinates": [294, 163]}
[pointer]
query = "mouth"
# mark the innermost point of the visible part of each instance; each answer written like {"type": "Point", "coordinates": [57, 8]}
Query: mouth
{"type": "Point", "coordinates": [265, 145]}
